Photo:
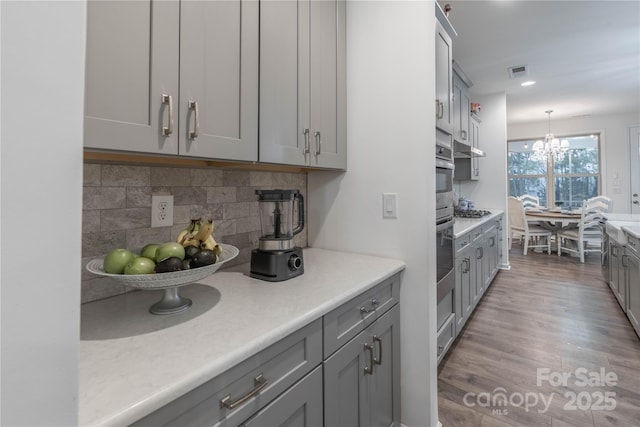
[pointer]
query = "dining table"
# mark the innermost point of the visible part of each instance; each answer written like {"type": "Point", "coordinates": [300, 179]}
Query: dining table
{"type": "Point", "coordinates": [554, 220]}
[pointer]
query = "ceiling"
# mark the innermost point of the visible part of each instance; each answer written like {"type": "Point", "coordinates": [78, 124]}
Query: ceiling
{"type": "Point", "coordinates": [583, 55]}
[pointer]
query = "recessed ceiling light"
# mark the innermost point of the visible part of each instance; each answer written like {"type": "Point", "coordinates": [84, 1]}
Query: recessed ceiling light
{"type": "Point", "coordinates": [528, 83]}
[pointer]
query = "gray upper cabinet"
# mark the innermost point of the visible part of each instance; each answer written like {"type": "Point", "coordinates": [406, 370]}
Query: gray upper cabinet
{"type": "Point", "coordinates": [461, 110]}
{"type": "Point", "coordinates": [219, 79]}
{"type": "Point", "coordinates": [173, 77]}
{"type": "Point", "coordinates": [302, 83]}
{"type": "Point", "coordinates": [444, 80]}
{"type": "Point", "coordinates": [132, 61]}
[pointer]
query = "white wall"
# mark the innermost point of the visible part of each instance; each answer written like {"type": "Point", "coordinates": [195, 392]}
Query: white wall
{"type": "Point", "coordinates": [390, 93]}
{"type": "Point", "coordinates": [491, 191]}
{"type": "Point", "coordinates": [42, 81]}
{"type": "Point", "coordinates": [614, 132]}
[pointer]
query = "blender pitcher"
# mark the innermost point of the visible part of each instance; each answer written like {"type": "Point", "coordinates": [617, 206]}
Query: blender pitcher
{"type": "Point", "coordinates": [276, 258]}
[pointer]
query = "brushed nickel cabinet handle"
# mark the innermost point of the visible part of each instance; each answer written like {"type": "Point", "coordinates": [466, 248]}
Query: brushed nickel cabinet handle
{"type": "Point", "coordinates": [318, 142]}
{"type": "Point", "coordinates": [438, 110]}
{"type": "Point", "coordinates": [259, 383]}
{"type": "Point", "coordinates": [193, 105]}
{"type": "Point", "coordinates": [378, 340]}
{"type": "Point", "coordinates": [368, 369]}
{"type": "Point", "coordinates": [168, 130]}
{"type": "Point", "coordinates": [307, 146]}
{"type": "Point", "coordinates": [374, 304]}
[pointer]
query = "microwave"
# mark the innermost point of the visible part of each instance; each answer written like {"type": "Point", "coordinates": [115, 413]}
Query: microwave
{"type": "Point", "coordinates": [444, 188]}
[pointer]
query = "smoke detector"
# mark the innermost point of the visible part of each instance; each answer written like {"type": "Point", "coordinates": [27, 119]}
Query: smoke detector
{"type": "Point", "coordinates": [518, 71]}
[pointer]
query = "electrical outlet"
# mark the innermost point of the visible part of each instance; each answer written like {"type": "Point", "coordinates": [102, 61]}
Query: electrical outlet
{"type": "Point", "coordinates": [161, 211]}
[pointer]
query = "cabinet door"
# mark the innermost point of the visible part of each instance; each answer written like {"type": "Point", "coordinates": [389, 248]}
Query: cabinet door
{"type": "Point", "coordinates": [480, 265]}
{"type": "Point", "coordinates": [616, 275]}
{"type": "Point", "coordinates": [464, 284]}
{"type": "Point", "coordinates": [299, 406]}
{"type": "Point", "coordinates": [494, 254]}
{"type": "Point", "coordinates": [327, 83]}
{"type": "Point", "coordinates": [346, 394]}
{"type": "Point", "coordinates": [444, 80]}
{"type": "Point", "coordinates": [384, 384]}
{"type": "Point", "coordinates": [362, 379]}
{"type": "Point", "coordinates": [132, 61]}
{"type": "Point", "coordinates": [461, 105]}
{"type": "Point", "coordinates": [219, 79]}
{"type": "Point", "coordinates": [633, 291]}
{"type": "Point", "coordinates": [284, 82]}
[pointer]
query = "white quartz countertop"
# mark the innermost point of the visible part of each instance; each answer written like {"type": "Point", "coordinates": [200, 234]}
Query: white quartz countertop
{"type": "Point", "coordinates": [464, 225]}
{"type": "Point", "coordinates": [618, 224]}
{"type": "Point", "coordinates": [622, 217]}
{"type": "Point", "coordinates": [133, 362]}
{"type": "Point", "coordinates": [633, 229]}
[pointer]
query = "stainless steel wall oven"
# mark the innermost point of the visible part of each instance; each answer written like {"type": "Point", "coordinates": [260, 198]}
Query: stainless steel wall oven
{"type": "Point", "coordinates": [444, 222]}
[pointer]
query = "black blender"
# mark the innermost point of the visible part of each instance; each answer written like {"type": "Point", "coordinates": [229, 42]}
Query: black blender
{"type": "Point", "coordinates": [276, 258]}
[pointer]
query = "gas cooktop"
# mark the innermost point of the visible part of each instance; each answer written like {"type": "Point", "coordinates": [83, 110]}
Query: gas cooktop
{"type": "Point", "coordinates": [471, 213]}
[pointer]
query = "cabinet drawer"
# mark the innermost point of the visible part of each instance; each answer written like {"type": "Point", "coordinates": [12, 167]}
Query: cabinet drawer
{"type": "Point", "coordinates": [346, 321]}
{"type": "Point", "coordinates": [280, 365]}
{"type": "Point", "coordinates": [446, 335]}
{"type": "Point", "coordinates": [462, 242]}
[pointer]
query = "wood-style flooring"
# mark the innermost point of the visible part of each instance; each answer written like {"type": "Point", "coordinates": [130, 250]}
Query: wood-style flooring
{"type": "Point", "coordinates": [545, 318]}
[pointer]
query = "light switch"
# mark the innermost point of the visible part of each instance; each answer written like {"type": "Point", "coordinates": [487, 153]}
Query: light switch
{"type": "Point", "coordinates": [390, 205]}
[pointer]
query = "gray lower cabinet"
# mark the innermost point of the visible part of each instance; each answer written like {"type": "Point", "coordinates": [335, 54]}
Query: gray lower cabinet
{"type": "Point", "coordinates": [617, 281]}
{"type": "Point", "coordinates": [302, 83]}
{"type": "Point", "coordinates": [476, 263]}
{"type": "Point", "coordinates": [340, 370]}
{"type": "Point", "coordinates": [632, 267]}
{"type": "Point", "coordinates": [362, 378]}
{"type": "Point", "coordinates": [300, 406]}
{"type": "Point", "coordinates": [242, 391]}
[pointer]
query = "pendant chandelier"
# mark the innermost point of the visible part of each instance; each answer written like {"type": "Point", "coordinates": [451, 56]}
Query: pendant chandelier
{"type": "Point", "coordinates": [551, 146]}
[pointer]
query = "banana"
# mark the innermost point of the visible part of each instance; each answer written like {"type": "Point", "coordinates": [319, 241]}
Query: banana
{"type": "Point", "coordinates": [206, 228]}
{"type": "Point", "coordinates": [209, 244]}
{"type": "Point", "coordinates": [189, 232]}
{"type": "Point", "coordinates": [190, 241]}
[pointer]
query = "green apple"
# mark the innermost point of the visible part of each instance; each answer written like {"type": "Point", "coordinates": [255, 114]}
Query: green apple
{"type": "Point", "coordinates": [140, 265]}
{"type": "Point", "coordinates": [149, 251]}
{"type": "Point", "coordinates": [168, 250]}
{"type": "Point", "coordinates": [116, 260]}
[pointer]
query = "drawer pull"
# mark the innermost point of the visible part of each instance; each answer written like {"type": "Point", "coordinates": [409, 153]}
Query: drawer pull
{"type": "Point", "coordinates": [369, 368]}
{"type": "Point", "coordinates": [374, 305]}
{"type": "Point", "coordinates": [378, 340]}
{"type": "Point", "coordinates": [259, 382]}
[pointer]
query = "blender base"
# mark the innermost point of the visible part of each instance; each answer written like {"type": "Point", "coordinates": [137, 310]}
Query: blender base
{"type": "Point", "coordinates": [276, 266]}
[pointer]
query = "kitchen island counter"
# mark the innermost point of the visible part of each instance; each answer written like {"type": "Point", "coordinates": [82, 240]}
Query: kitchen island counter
{"type": "Point", "coordinates": [133, 362]}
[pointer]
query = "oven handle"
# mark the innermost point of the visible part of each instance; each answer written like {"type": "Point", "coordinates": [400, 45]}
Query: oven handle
{"type": "Point", "coordinates": [443, 164]}
{"type": "Point", "coordinates": [445, 222]}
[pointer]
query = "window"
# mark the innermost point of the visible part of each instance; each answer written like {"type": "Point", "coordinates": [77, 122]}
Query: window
{"type": "Point", "coordinates": [574, 177]}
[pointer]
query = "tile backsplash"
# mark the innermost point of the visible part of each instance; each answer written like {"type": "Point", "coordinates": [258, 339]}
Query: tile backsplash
{"type": "Point", "coordinates": [116, 210]}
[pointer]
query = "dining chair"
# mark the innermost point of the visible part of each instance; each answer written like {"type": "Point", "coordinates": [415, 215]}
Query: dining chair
{"type": "Point", "coordinates": [530, 201]}
{"type": "Point", "coordinates": [520, 227]}
{"type": "Point", "coordinates": [587, 236]}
